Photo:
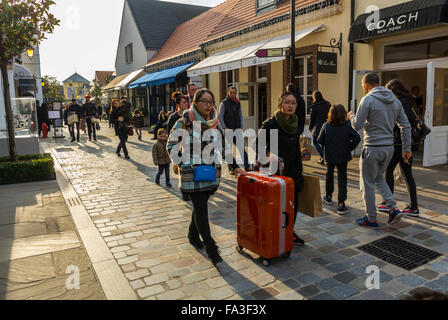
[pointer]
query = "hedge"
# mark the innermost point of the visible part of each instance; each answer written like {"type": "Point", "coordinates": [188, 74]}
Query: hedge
{"type": "Point", "coordinates": [28, 168]}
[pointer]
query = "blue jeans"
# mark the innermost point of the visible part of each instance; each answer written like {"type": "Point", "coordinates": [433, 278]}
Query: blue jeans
{"type": "Point", "coordinates": [318, 147]}
{"type": "Point", "coordinates": [166, 168]}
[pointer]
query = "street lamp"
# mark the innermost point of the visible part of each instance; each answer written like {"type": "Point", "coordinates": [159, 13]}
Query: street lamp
{"type": "Point", "coordinates": [30, 53]}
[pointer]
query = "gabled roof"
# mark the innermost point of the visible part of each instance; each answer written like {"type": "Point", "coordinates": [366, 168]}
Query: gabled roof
{"type": "Point", "coordinates": [156, 20]}
{"type": "Point", "coordinates": [224, 19]}
{"type": "Point", "coordinates": [111, 85]}
{"type": "Point", "coordinates": [101, 76]}
{"type": "Point", "coordinates": [76, 78]}
{"type": "Point", "coordinates": [188, 36]}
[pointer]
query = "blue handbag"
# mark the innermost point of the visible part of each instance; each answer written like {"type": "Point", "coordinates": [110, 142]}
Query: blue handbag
{"type": "Point", "coordinates": [204, 173]}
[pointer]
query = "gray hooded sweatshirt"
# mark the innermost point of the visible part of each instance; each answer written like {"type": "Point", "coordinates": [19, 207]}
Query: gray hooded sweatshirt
{"type": "Point", "coordinates": [378, 113]}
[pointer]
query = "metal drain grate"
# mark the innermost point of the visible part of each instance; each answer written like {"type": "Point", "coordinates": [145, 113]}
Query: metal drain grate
{"type": "Point", "coordinates": [401, 253]}
{"type": "Point", "coordinates": [73, 202]}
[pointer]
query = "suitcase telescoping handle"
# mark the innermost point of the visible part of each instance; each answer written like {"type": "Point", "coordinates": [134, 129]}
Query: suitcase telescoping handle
{"type": "Point", "coordinates": [287, 220]}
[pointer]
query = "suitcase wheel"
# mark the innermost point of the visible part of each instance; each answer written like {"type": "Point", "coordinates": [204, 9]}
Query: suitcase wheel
{"type": "Point", "coordinates": [266, 262]}
{"type": "Point", "coordinates": [239, 249]}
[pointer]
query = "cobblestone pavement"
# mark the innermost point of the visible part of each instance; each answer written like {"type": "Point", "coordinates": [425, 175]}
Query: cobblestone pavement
{"type": "Point", "coordinates": [38, 241]}
{"type": "Point", "coordinates": [145, 227]}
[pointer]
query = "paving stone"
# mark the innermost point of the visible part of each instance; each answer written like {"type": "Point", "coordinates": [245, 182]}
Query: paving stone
{"type": "Point", "coordinates": [441, 267]}
{"type": "Point", "coordinates": [427, 274]}
{"type": "Point", "coordinates": [147, 263]}
{"type": "Point", "coordinates": [320, 261]}
{"type": "Point", "coordinates": [171, 295]}
{"type": "Point", "coordinates": [156, 279]}
{"type": "Point", "coordinates": [137, 274]}
{"type": "Point", "coordinates": [333, 257]}
{"type": "Point", "coordinates": [327, 249]}
{"type": "Point", "coordinates": [411, 280]}
{"type": "Point", "coordinates": [243, 286]}
{"type": "Point", "coordinates": [394, 288]}
{"type": "Point", "coordinates": [307, 278]}
{"type": "Point", "coordinates": [327, 284]}
{"type": "Point", "coordinates": [193, 278]}
{"type": "Point", "coordinates": [422, 236]}
{"type": "Point", "coordinates": [150, 291]}
{"type": "Point", "coordinates": [292, 295]}
{"type": "Point", "coordinates": [432, 243]}
{"type": "Point", "coordinates": [323, 296]}
{"type": "Point", "coordinates": [217, 282]}
{"type": "Point", "coordinates": [173, 284]}
{"type": "Point", "coordinates": [137, 284]}
{"type": "Point", "coordinates": [345, 277]}
{"type": "Point", "coordinates": [349, 252]}
{"type": "Point", "coordinates": [263, 294]}
{"type": "Point", "coordinates": [438, 285]}
{"type": "Point", "coordinates": [309, 291]}
{"type": "Point", "coordinates": [127, 260]}
{"type": "Point", "coordinates": [293, 284]}
{"type": "Point", "coordinates": [220, 293]}
{"type": "Point", "coordinates": [344, 291]}
{"type": "Point", "coordinates": [375, 294]}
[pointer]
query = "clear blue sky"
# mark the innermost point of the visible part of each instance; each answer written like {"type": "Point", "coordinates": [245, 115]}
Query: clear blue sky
{"type": "Point", "coordinates": [87, 38]}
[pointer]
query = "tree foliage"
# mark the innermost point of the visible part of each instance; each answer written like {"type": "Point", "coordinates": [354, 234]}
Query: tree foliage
{"type": "Point", "coordinates": [96, 91]}
{"type": "Point", "coordinates": [24, 23]}
{"type": "Point", "coordinates": [52, 89]}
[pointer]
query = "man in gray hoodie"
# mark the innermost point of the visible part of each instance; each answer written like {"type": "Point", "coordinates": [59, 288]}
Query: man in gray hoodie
{"type": "Point", "coordinates": [378, 113]}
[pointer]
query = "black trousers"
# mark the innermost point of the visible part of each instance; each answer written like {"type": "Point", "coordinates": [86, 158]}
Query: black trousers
{"type": "Point", "coordinates": [71, 129]}
{"type": "Point", "coordinates": [407, 170]}
{"type": "Point", "coordinates": [199, 218]}
{"type": "Point", "coordinates": [166, 168]}
{"type": "Point", "coordinates": [342, 180]}
{"type": "Point", "coordinates": [122, 145]}
{"type": "Point", "coordinates": [91, 128]}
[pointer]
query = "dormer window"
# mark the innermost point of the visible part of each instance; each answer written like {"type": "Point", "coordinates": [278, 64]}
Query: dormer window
{"type": "Point", "coordinates": [265, 5]}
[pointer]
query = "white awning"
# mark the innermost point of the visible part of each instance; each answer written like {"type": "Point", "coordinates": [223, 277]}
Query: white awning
{"type": "Point", "coordinates": [128, 79]}
{"type": "Point", "coordinates": [245, 56]}
{"type": "Point", "coordinates": [21, 72]}
{"type": "Point", "coordinates": [285, 40]}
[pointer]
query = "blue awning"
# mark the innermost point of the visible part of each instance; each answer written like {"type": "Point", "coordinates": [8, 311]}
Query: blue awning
{"type": "Point", "coordinates": [159, 77]}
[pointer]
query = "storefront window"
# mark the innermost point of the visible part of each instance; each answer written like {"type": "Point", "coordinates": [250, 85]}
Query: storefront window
{"type": "Point", "coordinates": [417, 50]}
{"type": "Point", "coordinates": [304, 79]}
{"type": "Point", "coordinates": [441, 98]}
{"type": "Point", "coordinates": [262, 72]}
{"type": "Point", "coordinates": [24, 116]}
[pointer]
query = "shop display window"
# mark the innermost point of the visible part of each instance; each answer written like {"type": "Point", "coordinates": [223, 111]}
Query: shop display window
{"type": "Point", "coordinates": [416, 50]}
{"type": "Point", "coordinates": [24, 118]}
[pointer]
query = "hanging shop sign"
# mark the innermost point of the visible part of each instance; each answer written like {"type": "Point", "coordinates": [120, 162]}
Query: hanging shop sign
{"type": "Point", "coordinates": [406, 16]}
{"type": "Point", "coordinates": [327, 62]}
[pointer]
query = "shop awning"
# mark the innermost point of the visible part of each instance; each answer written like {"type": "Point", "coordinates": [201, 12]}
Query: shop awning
{"type": "Point", "coordinates": [111, 85]}
{"type": "Point", "coordinates": [399, 18]}
{"type": "Point", "coordinates": [245, 56]}
{"type": "Point", "coordinates": [160, 77]}
{"type": "Point", "coordinates": [128, 79]}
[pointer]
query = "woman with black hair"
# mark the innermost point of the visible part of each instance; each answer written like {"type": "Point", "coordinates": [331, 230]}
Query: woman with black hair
{"type": "Point", "coordinates": [181, 105]}
{"type": "Point", "coordinates": [409, 104]}
{"type": "Point", "coordinates": [286, 122]}
{"type": "Point", "coordinates": [192, 184]}
{"type": "Point", "coordinates": [319, 114]}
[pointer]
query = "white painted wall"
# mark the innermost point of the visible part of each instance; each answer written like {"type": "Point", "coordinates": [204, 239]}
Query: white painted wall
{"type": "Point", "coordinates": [130, 34]}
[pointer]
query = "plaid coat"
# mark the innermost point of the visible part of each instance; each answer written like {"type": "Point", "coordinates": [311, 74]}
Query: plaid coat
{"type": "Point", "coordinates": [187, 183]}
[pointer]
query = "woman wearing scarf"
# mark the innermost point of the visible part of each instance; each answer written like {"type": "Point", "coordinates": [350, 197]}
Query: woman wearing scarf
{"type": "Point", "coordinates": [203, 111]}
{"type": "Point", "coordinates": [286, 122]}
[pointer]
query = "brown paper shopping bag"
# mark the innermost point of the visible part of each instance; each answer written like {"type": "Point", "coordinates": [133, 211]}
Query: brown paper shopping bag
{"type": "Point", "coordinates": [310, 202]}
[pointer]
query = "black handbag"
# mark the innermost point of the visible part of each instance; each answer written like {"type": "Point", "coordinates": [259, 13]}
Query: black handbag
{"type": "Point", "coordinates": [420, 131]}
{"type": "Point", "coordinates": [97, 126]}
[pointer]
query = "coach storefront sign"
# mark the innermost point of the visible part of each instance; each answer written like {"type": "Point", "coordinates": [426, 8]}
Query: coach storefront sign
{"type": "Point", "coordinates": [327, 62]}
{"type": "Point", "coordinates": [406, 16]}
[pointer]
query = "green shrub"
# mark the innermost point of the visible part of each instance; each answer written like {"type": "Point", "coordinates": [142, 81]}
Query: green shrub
{"type": "Point", "coordinates": [27, 157]}
{"type": "Point", "coordinates": [28, 168]}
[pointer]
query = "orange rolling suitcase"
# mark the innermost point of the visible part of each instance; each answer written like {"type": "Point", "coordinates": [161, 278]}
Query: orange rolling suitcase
{"type": "Point", "coordinates": [265, 215]}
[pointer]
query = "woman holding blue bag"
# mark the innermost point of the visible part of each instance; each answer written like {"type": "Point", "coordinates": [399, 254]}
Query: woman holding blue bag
{"type": "Point", "coordinates": [199, 182]}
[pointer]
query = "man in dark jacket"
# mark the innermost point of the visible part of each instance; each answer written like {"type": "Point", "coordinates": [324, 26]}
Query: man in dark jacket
{"type": "Point", "coordinates": [301, 107]}
{"type": "Point", "coordinates": [319, 115]}
{"type": "Point", "coordinates": [231, 116]}
{"type": "Point", "coordinates": [89, 111]}
{"type": "Point", "coordinates": [74, 108]}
